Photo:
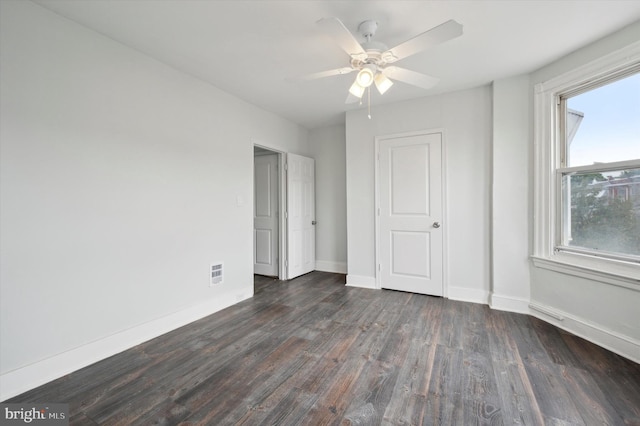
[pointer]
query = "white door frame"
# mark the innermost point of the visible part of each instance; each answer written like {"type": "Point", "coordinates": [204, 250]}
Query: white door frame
{"type": "Point", "coordinates": [282, 205]}
{"type": "Point", "coordinates": [445, 263]}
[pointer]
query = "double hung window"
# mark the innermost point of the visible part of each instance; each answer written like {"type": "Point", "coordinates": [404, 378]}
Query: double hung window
{"type": "Point", "coordinates": [599, 168]}
{"type": "Point", "coordinates": [587, 170]}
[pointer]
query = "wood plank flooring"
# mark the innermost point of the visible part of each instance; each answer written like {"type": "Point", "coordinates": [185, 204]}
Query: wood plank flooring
{"type": "Point", "coordinates": [312, 351]}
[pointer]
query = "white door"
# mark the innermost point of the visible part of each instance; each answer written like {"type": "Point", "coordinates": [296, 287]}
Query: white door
{"type": "Point", "coordinates": [265, 215]}
{"type": "Point", "coordinates": [301, 233]}
{"type": "Point", "coordinates": [410, 213]}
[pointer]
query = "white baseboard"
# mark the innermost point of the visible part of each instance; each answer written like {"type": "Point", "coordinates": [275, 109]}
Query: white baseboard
{"type": "Point", "coordinates": [361, 281]}
{"type": "Point", "coordinates": [509, 304]}
{"type": "Point", "coordinates": [472, 295]}
{"type": "Point", "coordinates": [625, 346]}
{"type": "Point", "coordinates": [329, 266]}
{"type": "Point", "coordinates": [28, 377]}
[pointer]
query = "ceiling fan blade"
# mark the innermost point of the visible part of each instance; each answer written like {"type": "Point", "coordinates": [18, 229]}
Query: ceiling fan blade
{"type": "Point", "coordinates": [443, 32]}
{"type": "Point", "coordinates": [323, 74]}
{"type": "Point", "coordinates": [335, 29]}
{"type": "Point", "coordinates": [410, 77]}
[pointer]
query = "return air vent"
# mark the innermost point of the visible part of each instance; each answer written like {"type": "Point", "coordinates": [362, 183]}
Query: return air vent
{"type": "Point", "coordinates": [216, 273]}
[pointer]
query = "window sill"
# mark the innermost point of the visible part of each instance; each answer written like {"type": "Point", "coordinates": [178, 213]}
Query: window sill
{"type": "Point", "coordinates": [615, 273]}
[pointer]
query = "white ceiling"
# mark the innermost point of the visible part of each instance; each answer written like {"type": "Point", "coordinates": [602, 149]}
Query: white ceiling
{"type": "Point", "coordinates": [248, 48]}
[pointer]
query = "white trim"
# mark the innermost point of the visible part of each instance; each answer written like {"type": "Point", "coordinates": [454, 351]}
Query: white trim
{"type": "Point", "coordinates": [376, 208]}
{"type": "Point", "coordinates": [17, 381]}
{"type": "Point", "coordinates": [591, 253]}
{"type": "Point", "coordinates": [600, 167]}
{"type": "Point", "coordinates": [443, 169]}
{"type": "Point", "coordinates": [508, 303]}
{"type": "Point", "coordinates": [546, 164]}
{"type": "Point", "coordinates": [465, 294]}
{"type": "Point", "coordinates": [594, 69]}
{"type": "Point", "coordinates": [570, 264]}
{"type": "Point", "coordinates": [625, 346]}
{"type": "Point", "coordinates": [547, 311]}
{"type": "Point", "coordinates": [330, 266]}
{"type": "Point", "coordinates": [361, 281]}
{"type": "Point", "coordinates": [284, 236]}
{"type": "Point", "coordinates": [445, 214]}
{"type": "Point", "coordinates": [544, 159]}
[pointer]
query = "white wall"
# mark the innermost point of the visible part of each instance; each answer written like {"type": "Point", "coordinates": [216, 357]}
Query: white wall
{"type": "Point", "coordinates": [511, 204]}
{"type": "Point", "coordinates": [327, 146]}
{"type": "Point", "coordinates": [122, 180]}
{"type": "Point", "coordinates": [465, 117]}
{"type": "Point", "coordinates": [603, 313]}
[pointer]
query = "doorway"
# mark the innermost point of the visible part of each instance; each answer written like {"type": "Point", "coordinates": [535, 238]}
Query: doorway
{"type": "Point", "coordinates": [267, 219]}
{"type": "Point", "coordinates": [283, 213]}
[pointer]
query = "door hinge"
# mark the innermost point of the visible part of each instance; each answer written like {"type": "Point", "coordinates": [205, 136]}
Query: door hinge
{"type": "Point", "coordinates": [378, 211]}
{"type": "Point", "coordinates": [379, 267]}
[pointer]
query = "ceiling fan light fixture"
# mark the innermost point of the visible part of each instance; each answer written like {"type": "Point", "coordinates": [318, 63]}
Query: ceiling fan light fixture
{"type": "Point", "coordinates": [365, 76]}
{"type": "Point", "coordinates": [356, 90]}
{"type": "Point", "coordinates": [382, 83]}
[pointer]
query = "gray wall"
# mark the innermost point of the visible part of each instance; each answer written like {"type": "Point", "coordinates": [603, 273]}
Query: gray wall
{"type": "Point", "coordinates": [327, 146]}
{"type": "Point", "coordinates": [510, 194]}
{"type": "Point", "coordinates": [465, 118]}
{"type": "Point", "coordinates": [122, 180]}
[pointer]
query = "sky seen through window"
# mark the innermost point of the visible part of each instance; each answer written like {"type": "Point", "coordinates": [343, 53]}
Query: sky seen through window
{"type": "Point", "coordinates": [610, 129]}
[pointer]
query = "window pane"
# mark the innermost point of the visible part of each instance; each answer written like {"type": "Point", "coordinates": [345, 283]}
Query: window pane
{"type": "Point", "coordinates": [603, 125]}
{"type": "Point", "coordinates": [602, 211]}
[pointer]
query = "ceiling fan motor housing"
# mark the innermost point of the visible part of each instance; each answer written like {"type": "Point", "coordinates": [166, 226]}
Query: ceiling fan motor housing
{"type": "Point", "coordinates": [368, 28]}
{"type": "Point", "coordinates": [373, 49]}
{"type": "Point", "coordinates": [374, 46]}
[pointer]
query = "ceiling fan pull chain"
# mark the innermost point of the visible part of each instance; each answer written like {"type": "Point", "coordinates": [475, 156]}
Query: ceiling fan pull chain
{"type": "Point", "coordinates": [369, 102]}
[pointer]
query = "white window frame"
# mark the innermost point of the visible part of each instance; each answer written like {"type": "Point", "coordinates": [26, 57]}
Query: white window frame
{"type": "Point", "coordinates": [548, 146]}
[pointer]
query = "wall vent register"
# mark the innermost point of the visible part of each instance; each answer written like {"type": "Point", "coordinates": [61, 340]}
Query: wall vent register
{"type": "Point", "coordinates": [216, 273]}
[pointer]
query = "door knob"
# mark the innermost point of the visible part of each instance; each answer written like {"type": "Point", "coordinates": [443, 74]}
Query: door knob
{"type": "Point", "coordinates": [313, 222]}
{"type": "Point", "coordinates": [436, 224]}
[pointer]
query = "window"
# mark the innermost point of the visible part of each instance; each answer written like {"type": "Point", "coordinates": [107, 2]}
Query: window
{"type": "Point", "coordinates": [587, 170]}
{"type": "Point", "coordinates": [599, 171]}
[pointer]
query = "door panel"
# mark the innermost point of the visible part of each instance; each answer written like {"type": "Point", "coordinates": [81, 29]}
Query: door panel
{"type": "Point", "coordinates": [264, 252]}
{"type": "Point", "coordinates": [408, 169]}
{"type": "Point", "coordinates": [265, 220]}
{"type": "Point", "coordinates": [410, 202]}
{"type": "Point", "coordinates": [407, 246]}
{"type": "Point", "coordinates": [301, 241]}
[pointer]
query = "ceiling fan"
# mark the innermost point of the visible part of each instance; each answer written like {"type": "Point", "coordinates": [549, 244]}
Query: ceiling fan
{"type": "Point", "coordinates": [372, 59]}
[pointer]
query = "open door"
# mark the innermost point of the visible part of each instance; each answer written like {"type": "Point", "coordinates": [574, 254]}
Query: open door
{"type": "Point", "coordinates": [265, 215]}
{"type": "Point", "coordinates": [301, 233]}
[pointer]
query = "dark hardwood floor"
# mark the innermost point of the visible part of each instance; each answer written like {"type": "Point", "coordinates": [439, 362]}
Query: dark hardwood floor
{"type": "Point", "coordinates": [313, 351]}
